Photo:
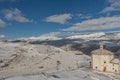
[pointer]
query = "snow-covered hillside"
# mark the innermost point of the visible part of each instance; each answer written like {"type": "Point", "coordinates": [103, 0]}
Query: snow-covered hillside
{"type": "Point", "coordinates": [22, 59]}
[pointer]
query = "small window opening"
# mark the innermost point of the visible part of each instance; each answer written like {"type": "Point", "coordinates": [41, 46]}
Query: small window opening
{"type": "Point", "coordinates": [104, 62]}
{"type": "Point", "coordinates": [96, 67]}
{"type": "Point", "coordinates": [104, 69]}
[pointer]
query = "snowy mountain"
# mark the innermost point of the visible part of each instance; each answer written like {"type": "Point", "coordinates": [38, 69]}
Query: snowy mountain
{"type": "Point", "coordinates": [86, 36]}
{"type": "Point", "coordinates": [41, 38]}
{"type": "Point", "coordinates": [69, 56]}
{"type": "Point", "coordinates": [111, 41]}
{"type": "Point", "coordinates": [96, 36]}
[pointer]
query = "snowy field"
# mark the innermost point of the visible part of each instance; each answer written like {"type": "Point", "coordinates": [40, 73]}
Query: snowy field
{"type": "Point", "coordinates": [23, 61]}
{"type": "Point", "coordinates": [69, 75]}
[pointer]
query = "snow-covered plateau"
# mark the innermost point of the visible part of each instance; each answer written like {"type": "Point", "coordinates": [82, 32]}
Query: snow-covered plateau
{"type": "Point", "coordinates": [55, 59]}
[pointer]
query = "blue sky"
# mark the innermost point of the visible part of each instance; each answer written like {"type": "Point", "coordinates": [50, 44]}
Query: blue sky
{"type": "Point", "coordinates": [26, 18]}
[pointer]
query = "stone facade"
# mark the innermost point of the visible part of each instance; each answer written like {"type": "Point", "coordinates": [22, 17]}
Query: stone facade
{"type": "Point", "coordinates": [104, 60]}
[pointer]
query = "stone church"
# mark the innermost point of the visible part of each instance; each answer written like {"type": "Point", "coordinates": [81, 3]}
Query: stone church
{"type": "Point", "coordinates": [104, 60]}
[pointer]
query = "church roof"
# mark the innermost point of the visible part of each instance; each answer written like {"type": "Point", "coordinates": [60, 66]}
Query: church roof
{"type": "Point", "coordinates": [102, 51]}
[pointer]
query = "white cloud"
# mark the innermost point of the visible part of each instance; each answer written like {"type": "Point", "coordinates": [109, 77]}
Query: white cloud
{"type": "Point", "coordinates": [61, 18]}
{"type": "Point", "coordinates": [15, 15]}
{"type": "Point", "coordinates": [82, 16]}
{"type": "Point", "coordinates": [96, 24]}
{"type": "Point", "coordinates": [2, 23]}
{"type": "Point", "coordinates": [2, 36]}
{"type": "Point", "coordinates": [114, 5]}
{"type": "Point", "coordinates": [52, 34]}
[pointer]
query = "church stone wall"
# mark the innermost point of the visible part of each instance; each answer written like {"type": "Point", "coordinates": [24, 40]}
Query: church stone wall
{"type": "Point", "coordinates": [102, 63]}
